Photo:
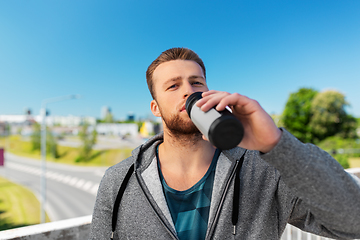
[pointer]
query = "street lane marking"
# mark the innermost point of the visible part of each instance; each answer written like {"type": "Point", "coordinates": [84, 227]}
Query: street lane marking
{"type": "Point", "coordinates": [73, 181]}
{"type": "Point", "coordinates": [66, 179]}
{"type": "Point", "coordinates": [82, 184]}
{"type": "Point", "coordinates": [87, 185]}
{"type": "Point", "coordinates": [60, 177]}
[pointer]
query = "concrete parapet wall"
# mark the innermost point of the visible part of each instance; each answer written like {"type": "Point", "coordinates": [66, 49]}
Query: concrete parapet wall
{"type": "Point", "coordinates": [71, 229]}
{"type": "Point", "coordinates": [355, 171]}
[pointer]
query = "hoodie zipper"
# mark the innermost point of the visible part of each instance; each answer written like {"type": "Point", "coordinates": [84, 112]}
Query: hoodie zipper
{"type": "Point", "coordinates": [218, 210]}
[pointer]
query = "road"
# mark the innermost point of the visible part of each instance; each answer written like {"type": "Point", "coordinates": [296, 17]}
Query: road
{"type": "Point", "coordinates": [104, 142]}
{"type": "Point", "coordinates": [71, 190]}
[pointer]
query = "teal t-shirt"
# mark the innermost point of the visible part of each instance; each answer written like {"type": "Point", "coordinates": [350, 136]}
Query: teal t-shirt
{"type": "Point", "coordinates": [190, 208]}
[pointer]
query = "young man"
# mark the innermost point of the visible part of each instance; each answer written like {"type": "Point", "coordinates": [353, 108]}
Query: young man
{"type": "Point", "coordinates": [179, 186]}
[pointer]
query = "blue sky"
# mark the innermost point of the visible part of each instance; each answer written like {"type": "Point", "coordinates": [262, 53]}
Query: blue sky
{"type": "Point", "coordinates": [101, 50]}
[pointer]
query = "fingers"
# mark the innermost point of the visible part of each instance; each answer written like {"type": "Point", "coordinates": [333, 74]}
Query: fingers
{"type": "Point", "coordinates": [220, 100]}
{"type": "Point", "coordinates": [212, 99]}
{"type": "Point", "coordinates": [233, 100]}
{"type": "Point", "coordinates": [204, 94]}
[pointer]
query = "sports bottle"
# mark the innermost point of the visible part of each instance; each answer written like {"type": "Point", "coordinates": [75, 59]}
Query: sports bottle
{"type": "Point", "coordinates": [221, 128]}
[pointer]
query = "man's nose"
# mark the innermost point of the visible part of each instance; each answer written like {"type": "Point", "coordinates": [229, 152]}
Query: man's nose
{"type": "Point", "coordinates": [188, 90]}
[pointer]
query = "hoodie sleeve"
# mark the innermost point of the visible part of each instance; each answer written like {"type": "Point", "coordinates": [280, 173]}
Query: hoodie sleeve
{"type": "Point", "coordinates": [327, 198]}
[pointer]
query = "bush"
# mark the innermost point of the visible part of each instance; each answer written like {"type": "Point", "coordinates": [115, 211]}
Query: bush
{"type": "Point", "coordinates": [343, 159]}
{"type": "Point", "coordinates": [337, 142]}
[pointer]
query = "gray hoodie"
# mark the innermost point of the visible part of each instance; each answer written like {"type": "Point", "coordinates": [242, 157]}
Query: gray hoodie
{"type": "Point", "coordinates": [294, 183]}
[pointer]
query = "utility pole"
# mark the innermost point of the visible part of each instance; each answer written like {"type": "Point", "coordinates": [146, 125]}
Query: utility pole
{"type": "Point", "coordinates": [43, 149]}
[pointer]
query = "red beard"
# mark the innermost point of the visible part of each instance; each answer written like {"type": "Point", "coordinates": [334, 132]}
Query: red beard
{"type": "Point", "coordinates": [178, 126]}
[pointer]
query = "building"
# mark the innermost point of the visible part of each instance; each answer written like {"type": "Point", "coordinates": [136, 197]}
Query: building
{"type": "Point", "coordinates": [17, 123]}
{"type": "Point", "coordinates": [23, 124]}
{"type": "Point", "coordinates": [118, 129]}
{"type": "Point", "coordinates": [66, 121]}
{"type": "Point", "coordinates": [3, 129]}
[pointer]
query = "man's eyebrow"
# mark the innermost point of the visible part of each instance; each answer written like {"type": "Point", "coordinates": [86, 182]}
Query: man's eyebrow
{"type": "Point", "coordinates": [174, 79]}
{"type": "Point", "coordinates": [196, 77]}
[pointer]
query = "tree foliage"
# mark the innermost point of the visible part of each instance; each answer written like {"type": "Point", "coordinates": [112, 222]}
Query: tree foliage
{"type": "Point", "coordinates": [51, 144]}
{"type": "Point", "coordinates": [297, 114]}
{"type": "Point", "coordinates": [329, 117]}
{"type": "Point", "coordinates": [36, 137]}
{"type": "Point", "coordinates": [88, 140]}
{"type": "Point", "coordinates": [312, 117]}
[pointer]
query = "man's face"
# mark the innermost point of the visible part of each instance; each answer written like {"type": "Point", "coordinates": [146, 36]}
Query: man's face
{"type": "Point", "coordinates": [174, 82]}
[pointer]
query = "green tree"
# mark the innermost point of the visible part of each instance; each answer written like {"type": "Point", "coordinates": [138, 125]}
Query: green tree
{"type": "Point", "coordinates": [88, 141]}
{"type": "Point", "coordinates": [329, 117]}
{"type": "Point", "coordinates": [51, 144]}
{"type": "Point", "coordinates": [297, 114]}
{"type": "Point", "coordinates": [36, 137]}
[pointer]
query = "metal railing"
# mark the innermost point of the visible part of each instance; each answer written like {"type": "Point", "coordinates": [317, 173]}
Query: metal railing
{"type": "Point", "coordinates": [293, 233]}
{"type": "Point", "coordinates": [75, 228]}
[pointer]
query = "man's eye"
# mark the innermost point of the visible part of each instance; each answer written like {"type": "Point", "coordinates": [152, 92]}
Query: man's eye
{"type": "Point", "coordinates": [172, 86]}
{"type": "Point", "coordinates": [197, 83]}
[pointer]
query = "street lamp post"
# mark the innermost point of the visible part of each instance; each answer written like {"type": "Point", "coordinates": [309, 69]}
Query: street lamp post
{"type": "Point", "coordinates": [43, 149]}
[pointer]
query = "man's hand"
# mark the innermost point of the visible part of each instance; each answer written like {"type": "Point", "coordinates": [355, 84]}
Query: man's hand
{"type": "Point", "coordinates": [260, 134]}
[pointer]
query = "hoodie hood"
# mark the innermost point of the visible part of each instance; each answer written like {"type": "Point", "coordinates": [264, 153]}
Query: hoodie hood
{"type": "Point", "coordinates": [145, 153]}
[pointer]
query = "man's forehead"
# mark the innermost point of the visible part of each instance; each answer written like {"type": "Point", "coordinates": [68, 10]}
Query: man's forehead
{"type": "Point", "coordinates": [175, 68]}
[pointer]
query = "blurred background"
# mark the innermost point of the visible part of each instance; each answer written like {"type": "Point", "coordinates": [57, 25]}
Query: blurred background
{"type": "Point", "coordinates": [78, 67]}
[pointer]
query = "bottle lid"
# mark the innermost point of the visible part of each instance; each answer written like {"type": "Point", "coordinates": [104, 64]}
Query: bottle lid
{"type": "Point", "coordinates": [192, 99]}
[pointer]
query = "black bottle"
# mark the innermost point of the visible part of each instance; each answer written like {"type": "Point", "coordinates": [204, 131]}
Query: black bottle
{"type": "Point", "coordinates": [222, 128]}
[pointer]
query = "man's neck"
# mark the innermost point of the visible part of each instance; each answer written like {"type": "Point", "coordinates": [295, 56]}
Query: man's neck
{"type": "Point", "coordinates": [184, 159]}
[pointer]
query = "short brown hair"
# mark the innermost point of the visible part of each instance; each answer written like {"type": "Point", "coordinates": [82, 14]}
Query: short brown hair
{"type": "Point", "coordinates": [169, 55]}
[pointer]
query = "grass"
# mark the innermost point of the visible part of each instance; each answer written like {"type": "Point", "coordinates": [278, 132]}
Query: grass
{"type": "Point", "coordinates": [18, 206]}
{"type": "Point", "coordinates": [68, 155]}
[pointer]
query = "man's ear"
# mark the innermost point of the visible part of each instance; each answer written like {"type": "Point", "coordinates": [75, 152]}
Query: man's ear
{"type": "Point", "coordinates": [155, 108]}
